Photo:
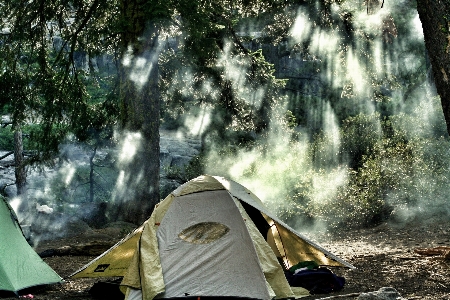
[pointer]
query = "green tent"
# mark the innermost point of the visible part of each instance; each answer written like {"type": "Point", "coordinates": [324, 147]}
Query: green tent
{"type": "Point", "coordinates": [20, 266]}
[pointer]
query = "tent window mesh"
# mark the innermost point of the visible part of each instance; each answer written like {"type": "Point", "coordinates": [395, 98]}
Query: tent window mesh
{"type": "Point", "coordinates": [203, 233]}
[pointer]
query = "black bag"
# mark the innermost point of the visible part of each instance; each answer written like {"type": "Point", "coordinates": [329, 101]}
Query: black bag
{"type": "Point", "coordinates": [107, 290]}
{"type": "Point", "coordinates": [316, 281]}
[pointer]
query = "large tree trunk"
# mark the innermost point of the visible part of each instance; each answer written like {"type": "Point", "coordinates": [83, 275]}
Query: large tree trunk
{"type": "Point", "coordinates": [138, 185]}
{"type": "Point", "coordinates": [436, 29]}
{"type": "Point", "coordinates": [140, 150]}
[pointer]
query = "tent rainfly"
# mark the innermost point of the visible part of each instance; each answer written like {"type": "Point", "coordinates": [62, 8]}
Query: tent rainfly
{"type": "Point", "coordinates": [211, 237]}
{"type": "Point", "coordinates": [20, 266]}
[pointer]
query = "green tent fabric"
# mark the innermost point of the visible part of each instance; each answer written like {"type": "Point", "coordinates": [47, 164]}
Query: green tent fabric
{"type": "Point", "coordinates": [20, 266]}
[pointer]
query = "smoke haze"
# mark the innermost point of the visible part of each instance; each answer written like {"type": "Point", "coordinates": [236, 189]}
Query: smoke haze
{"type": "Point", "coordinates": [375, 70]}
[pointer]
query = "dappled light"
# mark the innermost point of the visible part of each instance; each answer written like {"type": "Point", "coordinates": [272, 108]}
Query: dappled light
{"type": "Point", "coordinates": [328, 111]}
{"type": "Point", "coordinates": [301, 29]}
{"type": "Point", "coordinates": [357, 71]}
{"type": "Point", "coordinates": [68, 172]}
{"type": "Point", "coordinates": [15, 203]}
{"type": "Point", "coordinates": [126, 182]}
{"type": "Point", "coordinates": [141, 71]}
{"type": "Point", "coordinates": [199, 123]}
{"type": "Point", "coordinates": [130, 145]}
{"type": "Point", "coordinates": [277, 112]}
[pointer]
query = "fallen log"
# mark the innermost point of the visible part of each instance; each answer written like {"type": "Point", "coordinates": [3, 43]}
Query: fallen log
{"type": "Point", "coordinates": [443, 251]}
{"type": "Point", "coordinates": [89, 249]}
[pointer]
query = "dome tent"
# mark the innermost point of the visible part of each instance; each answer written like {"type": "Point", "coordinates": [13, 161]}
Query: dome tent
{"type": "Point", "coordinates": [211, 237]}
{"type": "Point", "coordinates": [20, 266]}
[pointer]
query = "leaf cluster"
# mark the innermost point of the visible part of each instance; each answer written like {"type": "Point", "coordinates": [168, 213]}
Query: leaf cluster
{"type": "Point", "coordinates": [45, 78]}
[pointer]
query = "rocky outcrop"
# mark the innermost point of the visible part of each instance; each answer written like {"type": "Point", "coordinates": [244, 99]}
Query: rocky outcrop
{"type": "Point", "coordinates": [176, 151]}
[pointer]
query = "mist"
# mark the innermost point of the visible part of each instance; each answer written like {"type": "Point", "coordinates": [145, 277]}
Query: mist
{"type": "Point", "coordinates": [299, 172]}
{"type": "Point", "coordinates": [320, 160]}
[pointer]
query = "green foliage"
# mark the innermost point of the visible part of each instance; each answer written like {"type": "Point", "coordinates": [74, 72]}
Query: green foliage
{"type": "Point", "coordinates": [359, 135]}
{"type": "Point", "coordinates": [290, 119]}
{"type": "Point", "coordinates": [399, 167]}
{"type": "Point", "coordinates": [200, 73]}
{"type": "Point", "coordinates": [351, 177]}
{"type": "Point", "coordinates": [46, 84]}
{"type": "Point", "coordinates": [194, 169]}
{"type": "Point", "coordinates": [400, 173]}
{"type": "Point", "coordinates": [6, 139]}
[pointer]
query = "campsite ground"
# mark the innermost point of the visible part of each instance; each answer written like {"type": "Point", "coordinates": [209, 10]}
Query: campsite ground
{"type": "Point", "coordinates": [384, 256]}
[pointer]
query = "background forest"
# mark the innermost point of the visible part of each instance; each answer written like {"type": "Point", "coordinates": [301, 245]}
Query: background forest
{"type": "Point", "coordinates": [326, 110]}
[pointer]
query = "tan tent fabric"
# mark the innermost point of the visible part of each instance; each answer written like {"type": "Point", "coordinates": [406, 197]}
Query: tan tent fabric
{"type": "Point", "coordinates": [146, 266]}
{"type": "Point", "coordinates": [115, 261]}
{"type": "Point", "coordinates": [206, 261]}
{"type": "Point", "coordinates": [199, 184]}
{"type": "Point", "coordinates": [297, 249]}
{"type": "Point", "coordinates": [112, 263]}
{"type": "Point", "coordinates": [272, 270]}
{"type": "Point", "coordinates": [300, 292]}
{"type": "Point", "coordinates": [193, 243]}
{"type": "Point", "coordinates": [295, 246]}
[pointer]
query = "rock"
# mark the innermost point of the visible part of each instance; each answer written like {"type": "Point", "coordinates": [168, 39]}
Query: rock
{"type": "Point", "coordinates": [385, 293]}
{"type": "Point", "coordinates": [179, 161]}
{"type": "Point", "coordinates": [94, 214]}
{"type": "Point", "coordinates": [177, 150]}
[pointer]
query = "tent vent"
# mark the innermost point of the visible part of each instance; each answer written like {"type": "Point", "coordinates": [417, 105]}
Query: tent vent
{"type": "Point", "coordinates": [204, 232]}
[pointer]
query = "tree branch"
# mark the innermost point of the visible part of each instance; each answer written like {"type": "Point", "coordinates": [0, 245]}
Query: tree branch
{"type": "Point", "coordinates": [6, 155]}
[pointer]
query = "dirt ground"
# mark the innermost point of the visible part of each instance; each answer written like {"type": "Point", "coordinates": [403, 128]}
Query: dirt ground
{"type": "Point", "coordinates": [384, 256]}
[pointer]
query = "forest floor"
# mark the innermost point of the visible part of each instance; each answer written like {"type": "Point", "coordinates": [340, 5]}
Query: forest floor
{"type": "Point", "coordinates": [384, 256]}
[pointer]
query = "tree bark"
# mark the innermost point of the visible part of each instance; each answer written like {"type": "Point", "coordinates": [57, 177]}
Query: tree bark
{"type": "Point", "coordinates": [20, 172]}
{"type": "Point", "coordinates": [435, 18]}
{"type": "Point", "coordinates": [138, 186]}
{"type": "Point", "coordinates": [140, 152]}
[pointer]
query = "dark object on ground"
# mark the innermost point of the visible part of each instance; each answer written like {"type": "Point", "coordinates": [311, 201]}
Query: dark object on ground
{"type": "Point", "coordinates": [316, 281]}
{"type": "Point", "coordinates": [107, 290]}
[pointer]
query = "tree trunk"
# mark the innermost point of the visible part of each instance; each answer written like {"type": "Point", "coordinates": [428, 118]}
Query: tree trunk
{"type": "Point", "coordinates": [20, 172]}
{"type": "Point", "coordinates": [19, 169]}
{"type": "Point", "coordinates": [140, 151]}
{"type": "Point", "coordinates": [91, 175]}
{"type": "Point", "coordinates": [434, 15]}
{"type": "Point", "coordinates": [138, 184]}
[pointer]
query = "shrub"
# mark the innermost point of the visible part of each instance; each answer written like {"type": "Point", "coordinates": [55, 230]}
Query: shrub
{"type": "Point", "coordinates": [359, 136]}
{"type": "Point", "coordinates": [395, 172]}
{"type": "Point", "coordinates": [6, 139]}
